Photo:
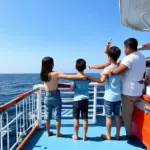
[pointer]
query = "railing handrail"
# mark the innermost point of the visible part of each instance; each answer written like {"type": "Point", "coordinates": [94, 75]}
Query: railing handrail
{"type": "Point", "coordinates": [66, 85]}
{"type": "Point", "coordinates": [20, 97]}
{"type": "Point", "coordinates": [24, 95]}
{"type": "Point", "coordinates": [31, 111]}
{"type": "Point", "coordinates": [16, 100]}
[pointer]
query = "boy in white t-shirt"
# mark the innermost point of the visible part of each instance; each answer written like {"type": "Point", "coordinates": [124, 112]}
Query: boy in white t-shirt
{"type": "Point", "coordinates": [112, 96]}
{"type": "Point", "coordinates": [133, 67]}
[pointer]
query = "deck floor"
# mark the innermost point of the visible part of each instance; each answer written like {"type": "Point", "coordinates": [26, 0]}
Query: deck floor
{"type": "Point", "coordinates": [39, 141]}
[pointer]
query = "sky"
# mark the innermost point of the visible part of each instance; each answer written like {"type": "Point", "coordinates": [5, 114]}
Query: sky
{"type": "Point", "coordinates": [63, 29]}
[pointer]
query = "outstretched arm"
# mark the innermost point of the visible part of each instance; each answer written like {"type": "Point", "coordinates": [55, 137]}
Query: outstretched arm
{"type": "Point", "coordinates": [99, 80]}
{"type": "Point", "coordinates": [107, 46]}
{"type": "Point", "coordinates": [69, 77]}
{"type": "Point", "coordinates": [100, 66]}
{"type": "Point", "coordinates": [122, 68]}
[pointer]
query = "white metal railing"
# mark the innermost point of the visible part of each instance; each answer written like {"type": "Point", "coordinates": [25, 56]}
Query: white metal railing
{"type": "Point", "coordinates": [19, 120]}
{"type": "Point", "coordinates": [93, 93]}
{"type": "Point", "coordinates": [28, 111]}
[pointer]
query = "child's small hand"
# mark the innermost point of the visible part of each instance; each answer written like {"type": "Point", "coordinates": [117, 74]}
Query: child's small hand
{"type": "Point", "coordinates": [108, 72]}
{"type": "Point", "coordinates": [85, 78]}
{"type": "Point", "coordinates": [90, 66]}
{"type": "Point", "coordinates": [88, 77]}
{"type": "Point", "coordinates": [71, 89]}
{"type": "Point", "coordinates": [109, 43]}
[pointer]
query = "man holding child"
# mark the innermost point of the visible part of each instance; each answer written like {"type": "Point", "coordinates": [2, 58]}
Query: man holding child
{"type": "Point", "coordinates": [132, 67]}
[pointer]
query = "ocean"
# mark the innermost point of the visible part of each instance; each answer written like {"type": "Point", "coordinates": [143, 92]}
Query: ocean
{"type": "Point", "coordinates": [11, 85]}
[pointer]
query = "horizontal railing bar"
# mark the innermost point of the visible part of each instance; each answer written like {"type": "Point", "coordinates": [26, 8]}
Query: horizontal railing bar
{"type": "Point", "coordinates": [66, 92]}
{"type": "Point", "coordinates": [99, 92]}
{"type": "Point", "coordinates": [100, 98]}
{"type": "Point", "coordinates": [14, 145]}
{"type": "Point", "coordinates": [88, 105]}
{"type": "Point", "coordinates": [12, 121]}
{"type": "Point", "coordinates": [101, 114]}
{"type": "Point", "coordinates": [20, 97]}
{"type": "Point", "coordinates": [67, 85]}
{"type": "Point", "coordinates": [71, 100]}
{"type": "Point", "coordinates": [66, 110]}
{"type": "Point", "coordinates": [17, 100]}
{"type": "Point", "coordinates": [64, 85]}
{"type": "Point", "coordinates": [89, 110]}
{"type": "Point", "coordinates": [90, 115]}
{"type": "Point", "coordinates": [67, 101]}
{"type": "Point", "coordinates": [20, 114]}
{"type": "Point", "coordinates": [67, 98]}
{"type": "Point", "coordinates": [68, 106]}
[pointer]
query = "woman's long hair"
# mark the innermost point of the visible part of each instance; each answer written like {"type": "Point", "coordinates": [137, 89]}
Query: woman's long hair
{"type": "Point", "coordinates": [46, 68]}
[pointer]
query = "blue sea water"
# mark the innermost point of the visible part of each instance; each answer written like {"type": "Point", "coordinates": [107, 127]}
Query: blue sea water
{"type": "Point", "coordinates": [12, 85]}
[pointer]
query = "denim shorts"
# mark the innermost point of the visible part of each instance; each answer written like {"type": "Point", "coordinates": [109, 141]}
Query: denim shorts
{"type": "Point", "coordinates": [112, 107]}
{"type": "Point", "coordinates": [52, 102]}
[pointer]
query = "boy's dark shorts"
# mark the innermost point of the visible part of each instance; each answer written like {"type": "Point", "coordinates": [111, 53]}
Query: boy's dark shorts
{"type": "Point", "coordinates": [80, 106]}
{"type": "Point", "coordinates": [112, 107]}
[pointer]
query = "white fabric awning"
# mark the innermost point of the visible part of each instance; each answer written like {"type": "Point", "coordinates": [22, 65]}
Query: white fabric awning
{"type": "Point", "coordinates": [135, 14]}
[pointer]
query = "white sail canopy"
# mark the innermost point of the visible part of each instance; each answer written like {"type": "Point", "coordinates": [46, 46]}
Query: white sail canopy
{"type": "Point", "coordinates": [135, 14]}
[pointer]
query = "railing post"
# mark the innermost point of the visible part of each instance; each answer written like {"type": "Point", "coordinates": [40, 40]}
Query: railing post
{"type": "Point", "coordinates": [1, 133]}
{"type": "Point", "coordinates": [17, 138]}
{"type": "Point", "coordinates": [39, 114]}
{"type": "Point", "coordinates": [148, 89]}
{"type": "Point", "coordinates": [8, 142]}
{"type": "Point", "coordinates": [95, 104]}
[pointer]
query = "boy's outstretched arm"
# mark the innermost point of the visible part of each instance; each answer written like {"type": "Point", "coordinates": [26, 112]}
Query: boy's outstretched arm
{"type": "Point", "coordinates": [100, 66]}
{"type": "Point", "coordinates": [99, 80]}
{"type": "Point", "coordinates": [69, 77]}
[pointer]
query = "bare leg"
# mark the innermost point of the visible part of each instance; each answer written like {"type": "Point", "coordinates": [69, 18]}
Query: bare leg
{"type": "Point", "coordinates": [118, 125]}
{"type": "Point", "coordinates": [76, 128]}
{"type": "Point", "coordinates": [58, 126]}
{"type": "Point", "coordinates": [48, 128]}
{"type": "Point", "coordinates": [108, 129]}
{"type": "Point", "coordinates": [85, 126]}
